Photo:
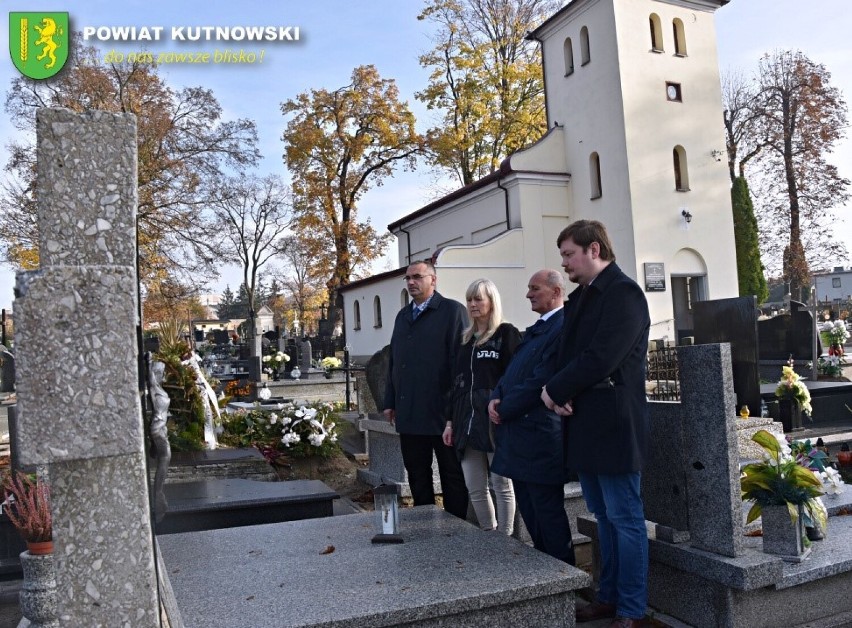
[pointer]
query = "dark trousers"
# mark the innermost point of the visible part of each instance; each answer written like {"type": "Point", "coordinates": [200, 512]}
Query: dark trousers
{"type": "Point", "coordinates": [417, 457]}
{"type": "Point", "coordinates": [542, 507]}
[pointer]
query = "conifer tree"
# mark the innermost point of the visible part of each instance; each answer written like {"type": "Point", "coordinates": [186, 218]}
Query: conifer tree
{"type": "Point", "coordinates": [749, 266]}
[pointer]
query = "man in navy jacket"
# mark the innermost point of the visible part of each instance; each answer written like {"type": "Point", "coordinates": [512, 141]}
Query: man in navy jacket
{"type": "Point", "coordinates": [426, 337]}
{"type": "Point", "coordinates": [528, 436]}
{"type": "Point", "coordinates": [599, 388]}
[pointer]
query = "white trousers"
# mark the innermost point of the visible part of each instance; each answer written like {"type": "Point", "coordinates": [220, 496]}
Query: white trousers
{"type": "Point", "coordinates": [475, 466]}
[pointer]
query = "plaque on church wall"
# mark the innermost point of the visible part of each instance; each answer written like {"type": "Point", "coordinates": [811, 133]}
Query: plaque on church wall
{"type": "Point", "coordinates": [655, 277]}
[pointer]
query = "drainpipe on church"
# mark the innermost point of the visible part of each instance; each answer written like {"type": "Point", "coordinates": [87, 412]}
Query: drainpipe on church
{"type": "Point", "coordinates": [505, 199]}
{"type": "Point", "coordinates": [408, 245]}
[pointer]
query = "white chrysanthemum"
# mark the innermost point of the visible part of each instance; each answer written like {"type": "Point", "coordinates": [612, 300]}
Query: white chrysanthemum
{"type": "Point", "coordinates": [290, 438]}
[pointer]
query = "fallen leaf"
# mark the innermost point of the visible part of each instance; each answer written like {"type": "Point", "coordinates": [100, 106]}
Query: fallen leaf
{"type": "Point", "coordinates": [328, 550]}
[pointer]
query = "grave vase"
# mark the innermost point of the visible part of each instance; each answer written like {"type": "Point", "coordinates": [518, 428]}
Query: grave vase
{"type": "Point", "coordinates": [791, 415]}
{"type": "Point", "coordinates": [38, 590]}
{"type": "Point", "coordinates": [782, 536]}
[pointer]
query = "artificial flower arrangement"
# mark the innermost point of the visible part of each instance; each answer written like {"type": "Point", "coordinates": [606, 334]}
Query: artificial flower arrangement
{"type": "Point", "coordinates": [791, 386]}
{"type": "Point", "coordinates": [274, 362]}
{"type": "Point", "coordinates": [26, 502]}
{"type": "Point", "coordinates": [330, 362]}
{"type": "Point", "coordinates": [780, 480]}
{"type": "Point", "coordinates": [299, 429]}
{"type": "Point", "coordinates": [831, 365]}
{"type": "Point", "coordinates": [837, 336]}
{"type": "Point", "coordinates": [813, 458]}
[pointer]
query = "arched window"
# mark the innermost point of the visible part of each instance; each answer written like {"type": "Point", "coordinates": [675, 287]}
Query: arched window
{"type": "Point", "coordinates": [377, 312]}
{"type": "Point", "coordinates": [681, 173]}
{"type": "Point", "coordinates": [585, 55]}
{"type": "Point", "coordinates": [568, 51]}
{"type": "Point", "coordinates": [595, 176]}
{"type": "Point", "coordinates": [679, 37]}
{"type": "Point", "coordinates": [357, 311]}
{"type": "Point", "coordinates": [403, 298]}
{"type": "Point", "coordinates": [656, 32]}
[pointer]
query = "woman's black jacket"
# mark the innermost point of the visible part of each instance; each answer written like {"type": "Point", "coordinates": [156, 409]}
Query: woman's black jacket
{"type": "Point", "coordinates": [478, 369]}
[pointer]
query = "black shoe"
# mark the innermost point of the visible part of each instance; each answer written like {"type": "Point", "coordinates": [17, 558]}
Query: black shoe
{"type": "Point", "coordinates": [594, 611]}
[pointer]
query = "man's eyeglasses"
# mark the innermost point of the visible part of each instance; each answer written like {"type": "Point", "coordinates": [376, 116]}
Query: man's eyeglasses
{"type": "Point", "coordinates": [416, 277]}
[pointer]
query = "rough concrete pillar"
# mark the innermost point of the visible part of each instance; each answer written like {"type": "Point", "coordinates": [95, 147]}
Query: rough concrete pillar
{"type": "Point", "coordinates": [78, 404]}
{"type": "Point", "coordinates": [711, 454]}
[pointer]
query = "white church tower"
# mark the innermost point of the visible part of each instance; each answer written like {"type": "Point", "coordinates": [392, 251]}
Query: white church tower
{"type": "Point", "coordinates": [635, 139]}
{"type": "Point", "coordinates": [635, 84]}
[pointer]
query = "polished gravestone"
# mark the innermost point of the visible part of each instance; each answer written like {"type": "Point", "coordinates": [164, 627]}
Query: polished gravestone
{"type": "Point", "coordinates": [234, 502]}
{"type": "Point", "coordinates": [734, 321]}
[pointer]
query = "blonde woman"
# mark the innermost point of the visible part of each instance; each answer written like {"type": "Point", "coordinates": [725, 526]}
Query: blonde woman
{"type": "Point", "coordinates": [487, 346]}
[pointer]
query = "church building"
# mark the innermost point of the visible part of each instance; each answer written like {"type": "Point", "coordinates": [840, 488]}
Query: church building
{"type": "Point", "coordinates": [635, 139]}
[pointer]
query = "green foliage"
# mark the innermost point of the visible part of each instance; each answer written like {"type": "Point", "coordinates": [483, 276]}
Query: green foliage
{"type": "Point", "coordinates": [749, 266]}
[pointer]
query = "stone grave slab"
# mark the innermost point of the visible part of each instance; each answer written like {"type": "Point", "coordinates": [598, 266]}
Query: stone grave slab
{"type": "Point", "coordinates": [214, 504]}
{"type": "Point", "coordinates": [326, 572]}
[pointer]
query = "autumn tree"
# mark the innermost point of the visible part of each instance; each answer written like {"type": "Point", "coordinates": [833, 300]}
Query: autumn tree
{"type": "Point", "coordinates": [184, 144]}
{"type": "Point", "coordinates": [302, 281]}
{"type": "Point", "coordinates": [486, 82]}
{"type": "Point", "coordinates": [749, 266]}
{"type": "Point", "coordinates": [254, 215]}
{"type": "Point", "coordinates": [170, 299]}
{"type": "Point", "coordinates": [338, 144]}
{"type": "Point", "coordinates": [801, 119]}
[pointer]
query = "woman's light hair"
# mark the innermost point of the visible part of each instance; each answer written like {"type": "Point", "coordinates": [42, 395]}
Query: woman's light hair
{"type": "Point", "coordinates": [487, 289]}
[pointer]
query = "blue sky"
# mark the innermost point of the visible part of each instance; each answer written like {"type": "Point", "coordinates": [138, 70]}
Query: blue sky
{"type": "Point", "coordinates": [336, 36]}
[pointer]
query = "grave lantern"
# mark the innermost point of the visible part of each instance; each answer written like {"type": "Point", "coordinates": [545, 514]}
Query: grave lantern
{"type": "Point", "coordinates": [387, 510]}
{"type": "Point", "coordinates": [264, 393]}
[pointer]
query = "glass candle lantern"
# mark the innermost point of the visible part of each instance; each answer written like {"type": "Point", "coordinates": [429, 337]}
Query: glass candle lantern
{"type": "Point", "coordinates": [387, 513]}
{"type": "Point", "coordinates": [264, 393]}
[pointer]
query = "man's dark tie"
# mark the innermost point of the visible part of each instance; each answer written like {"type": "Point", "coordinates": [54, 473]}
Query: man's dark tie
{"type": "Point", "coordinates": [415, 313]}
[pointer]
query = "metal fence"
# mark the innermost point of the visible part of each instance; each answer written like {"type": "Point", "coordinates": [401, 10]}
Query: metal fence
{"type": "Point", "coordinates": [663, 375]}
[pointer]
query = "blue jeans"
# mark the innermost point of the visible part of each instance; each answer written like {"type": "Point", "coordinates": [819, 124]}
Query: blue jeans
{"type": "Point", "coordinates": [617, 505]}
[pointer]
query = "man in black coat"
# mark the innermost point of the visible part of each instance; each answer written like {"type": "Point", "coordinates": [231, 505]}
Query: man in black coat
{"type": "Point", "coordinates": [426, 337]}
{"type": "Point", "coordinates": [600, 390]}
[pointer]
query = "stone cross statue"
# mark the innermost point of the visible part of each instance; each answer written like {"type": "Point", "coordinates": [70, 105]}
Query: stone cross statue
{"type": "Point", "coordinates": [159, 435]}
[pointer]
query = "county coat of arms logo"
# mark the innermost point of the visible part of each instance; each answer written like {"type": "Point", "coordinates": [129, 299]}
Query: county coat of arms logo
{"type": "Point", "coordinates": [38, 42]}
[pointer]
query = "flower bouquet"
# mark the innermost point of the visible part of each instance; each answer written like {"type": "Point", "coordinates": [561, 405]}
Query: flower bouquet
{"type": "Point", "coordinates": [274, 362]}
{"type": "Point", "coordinates": [791, 387]}
{"type": "Point", "coordinates": [837, 337]}
{"type": "Point", "coordinates": [329, 363]}
{"type": "Point", "coordinates": [779, 480]}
